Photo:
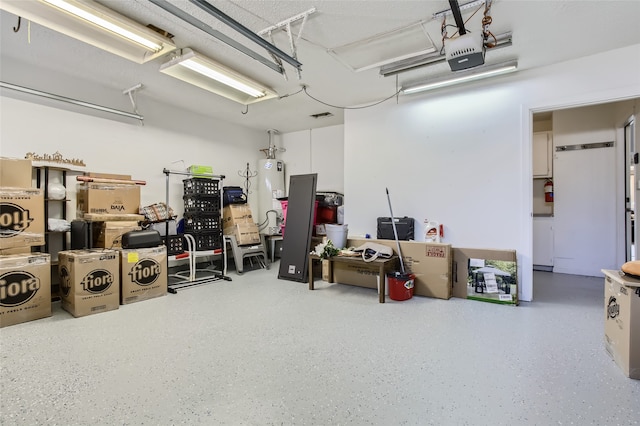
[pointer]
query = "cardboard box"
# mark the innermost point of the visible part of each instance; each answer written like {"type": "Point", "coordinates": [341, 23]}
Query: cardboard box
{"type": "Point", "coordinates": [89, 281]}
{"type": "Point", "coordinates": [25, 288]}
{"type": "Point", "coordinates": [109, 234]}
{"type": "Point", "coordinates": [15, 250]}
{"type": "Point", "coordinates": [431, 263]}
{"type": "Point", "coordinates": [245, 233]}
{"type": "Point", "coordinates": [113, 217]}
{"type": "Point", "coordinates": [361, 275]}
{"type": "Point", "coordinates": [470, 281]}
{"type": "Point", "coordinates": [107, 198]}
{"type": "Point", "coordinates": [235, 214]}
{"type": "Point", "coordinates": [15, 172]}
{"type": "Point", "coordinates": [143, 274]}
{"type": "Point", "coordinates": [22, 221]}
{"type": "Point", "coordinates": [622, 321]}
{"type": "Point", "coordinates": [326, 270]}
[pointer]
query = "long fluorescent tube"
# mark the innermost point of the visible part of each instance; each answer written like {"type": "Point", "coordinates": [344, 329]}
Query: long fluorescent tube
{"type": "Point", "coordinates": [462, 77]}
{"type": "Point", "coordinates": [204, 72]}
{"type": "Point", "coordinates": [92, 23]}
{"type": "Point", "coordinates": [101, 22]}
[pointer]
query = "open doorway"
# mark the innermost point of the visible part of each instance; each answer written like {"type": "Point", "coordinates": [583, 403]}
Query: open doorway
{"type": "Point", "coordinates": [588, 223]}
{"type": "Point", "coordinates": [631, 159]}
{"type": "Point", "coordinates": [542, 170]}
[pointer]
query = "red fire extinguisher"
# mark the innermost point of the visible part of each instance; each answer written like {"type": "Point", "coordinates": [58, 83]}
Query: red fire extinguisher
{"type": "Point", "coordinates": [548, 191]}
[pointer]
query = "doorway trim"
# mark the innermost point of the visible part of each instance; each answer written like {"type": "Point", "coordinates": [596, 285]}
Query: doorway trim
{"type": "Point", "coordinates": [527, 111]}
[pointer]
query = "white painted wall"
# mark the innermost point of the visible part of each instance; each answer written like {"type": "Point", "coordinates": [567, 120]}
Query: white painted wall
{"type": "Point", "coordinates": [318, 151]}
{"type": "Point", "coordinates": [462, 156]}
{"type": "Point", "coordinates": [174, 141]}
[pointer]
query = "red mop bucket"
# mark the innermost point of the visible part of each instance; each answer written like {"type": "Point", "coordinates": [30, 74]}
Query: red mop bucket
{"type": "Point", "coordinates": [400, 285]}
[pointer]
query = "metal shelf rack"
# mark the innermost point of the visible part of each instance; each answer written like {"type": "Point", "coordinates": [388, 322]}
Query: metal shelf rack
{"type": "Point", "coordinates": [179, 281]}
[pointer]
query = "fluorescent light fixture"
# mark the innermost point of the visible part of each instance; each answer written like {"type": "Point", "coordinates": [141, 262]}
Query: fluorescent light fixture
{"type": "Point", "coordinates": [197, 69]}
{"type": "Point", "coordinates": [94, 24]}
{"type": "Point", "coordinates": [462, 77]}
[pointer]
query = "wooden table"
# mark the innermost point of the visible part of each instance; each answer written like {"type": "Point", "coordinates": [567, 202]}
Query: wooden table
{"type": "Point", "coordinates": [380, 265]}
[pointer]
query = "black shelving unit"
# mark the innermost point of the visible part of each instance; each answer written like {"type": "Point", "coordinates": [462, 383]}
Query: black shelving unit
{"type": "Point", "coordinates": [54, 241]}
{"type": "Point", "coordinates": [42, 181]}
{"type": "Point", "coordinates": [202, 196]}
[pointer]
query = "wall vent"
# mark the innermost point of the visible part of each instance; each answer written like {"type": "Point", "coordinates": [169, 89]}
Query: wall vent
{"type": "Point", "coordinates": [322, 115]}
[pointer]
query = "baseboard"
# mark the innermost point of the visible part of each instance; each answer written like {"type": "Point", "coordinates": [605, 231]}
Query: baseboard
{"type": "Point", "coordinates": [543, 268]}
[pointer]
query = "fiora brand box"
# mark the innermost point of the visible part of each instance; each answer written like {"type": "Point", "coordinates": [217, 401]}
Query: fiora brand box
{"type": "Point", "coordinates": [21, 217]}
{"type": "Point", "coordinates": [25, 288]}
{"type": "Point", "coordinates": [143, 274]}
{"type": "Point", "coordinates": [622, 321]}
{"type": "Point", "coordinates": [89, 281]}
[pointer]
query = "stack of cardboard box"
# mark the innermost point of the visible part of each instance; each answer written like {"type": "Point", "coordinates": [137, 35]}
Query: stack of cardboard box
{"type": "Point", "coordinates": [25, 277]}
{"type": "Point", "coordinates": [238, 221]}
{"type": "Point", "coordinates": [111, 202]}
{"type": "Point", "coordinates": [92, 280]}
{"type": "Point", "coordinates": [100, 280]}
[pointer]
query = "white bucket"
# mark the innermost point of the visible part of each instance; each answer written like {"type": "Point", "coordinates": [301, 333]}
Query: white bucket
{"type": "Point", "coordinates": [337, 234]}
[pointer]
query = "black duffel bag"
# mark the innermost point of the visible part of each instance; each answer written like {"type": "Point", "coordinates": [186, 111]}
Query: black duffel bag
{"type": "Point", "coordinates": [233, 195]}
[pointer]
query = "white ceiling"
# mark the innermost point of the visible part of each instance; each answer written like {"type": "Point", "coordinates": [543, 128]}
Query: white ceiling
{"type": "Point", "coordinates": [544, 32]}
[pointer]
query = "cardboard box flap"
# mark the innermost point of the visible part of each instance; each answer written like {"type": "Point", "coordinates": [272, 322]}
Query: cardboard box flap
{"type": "Point", "coordinates": [627, 279]}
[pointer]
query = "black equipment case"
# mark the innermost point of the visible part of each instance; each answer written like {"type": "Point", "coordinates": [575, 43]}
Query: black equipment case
{"type": "Point", "coordinates": [404, 227]}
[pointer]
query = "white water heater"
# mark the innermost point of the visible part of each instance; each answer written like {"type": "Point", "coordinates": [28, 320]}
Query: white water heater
{"type": "Point", "coordinates": [270, 188]}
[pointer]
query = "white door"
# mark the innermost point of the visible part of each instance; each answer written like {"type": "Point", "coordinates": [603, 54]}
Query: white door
{"type": "Point", "coordinates": [585, 211]}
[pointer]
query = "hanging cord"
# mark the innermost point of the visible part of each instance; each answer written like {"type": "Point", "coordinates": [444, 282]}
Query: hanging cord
{"type": "Point", "coordinates": [264, 224]}
{"type": "Point", "coordinates": [486, 21]}
{"type": "Point", "coordinates": [291, 94]}
{"type": "Point", "coordinates": [343, 107]}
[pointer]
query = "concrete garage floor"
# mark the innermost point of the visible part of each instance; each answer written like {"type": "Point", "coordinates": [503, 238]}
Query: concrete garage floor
{"type": "Point", "coordinates": [263, 351]}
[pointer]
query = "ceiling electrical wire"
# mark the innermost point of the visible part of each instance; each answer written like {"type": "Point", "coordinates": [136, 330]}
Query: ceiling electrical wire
{"type": "Point", "coordinates": [291, 94]}
{"type": "Point", "coordinates": [343, 107]}
{"type": "Point", "coordinates": [443, 27]}
{"type": "Point", "coordinates": [486, 21]}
